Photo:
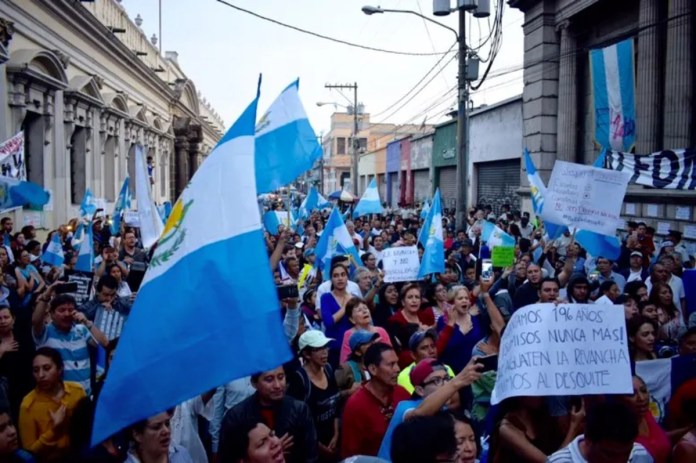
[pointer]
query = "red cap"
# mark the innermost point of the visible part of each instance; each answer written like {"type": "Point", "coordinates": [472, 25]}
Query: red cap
{"type": "Point", "coordinates": [421, 371]}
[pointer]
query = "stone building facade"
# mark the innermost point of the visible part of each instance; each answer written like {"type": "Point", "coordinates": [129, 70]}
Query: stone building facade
{"type": "Point", "coordinates": [86, 86]}
{"type": "Point", "coordinates": [557, 99]}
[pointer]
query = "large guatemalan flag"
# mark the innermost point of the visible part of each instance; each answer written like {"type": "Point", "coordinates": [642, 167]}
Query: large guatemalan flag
{"type": "Point", "coordinates": [434, 253]}
{"type": "Point", "coordinates": [200, 319]}
{"type": "Point", "coordinates": [613, 88]}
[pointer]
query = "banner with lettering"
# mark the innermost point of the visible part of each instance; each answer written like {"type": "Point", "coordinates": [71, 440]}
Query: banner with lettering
{"type": "Point", "coordinates": [12, 157]}
{"type": "Point", "coordinates": [564, 349]}
{"type": "Point", "coordinates": [668, 169]}
{"type": "Point", "coordinates": [613, 87]}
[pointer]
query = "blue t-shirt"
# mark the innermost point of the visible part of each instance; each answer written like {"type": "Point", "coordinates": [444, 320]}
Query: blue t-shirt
{"type": "Point", "coordinates": [397, 419]}
{"type": "Point", "coordinates": [73, 349]}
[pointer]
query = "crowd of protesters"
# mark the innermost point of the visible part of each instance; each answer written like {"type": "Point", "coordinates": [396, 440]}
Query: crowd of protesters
{"type": "Point", "coordinates": [382, 371]}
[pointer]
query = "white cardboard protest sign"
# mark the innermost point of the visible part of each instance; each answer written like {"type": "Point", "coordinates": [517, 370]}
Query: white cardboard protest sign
{"type": "Point", "coordinates": [400, 264]}
{"type": "Point", "coordinates": [131, 219]}
{"type": "Point", "coordinates": [585, 197]}
{"type": "Point", "coordinates": [565, 349]}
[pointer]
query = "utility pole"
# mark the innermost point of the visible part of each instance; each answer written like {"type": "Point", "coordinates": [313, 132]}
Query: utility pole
{"type": "Point", "coordinates": [354, 138]}
{"type": "Point", "coordinates": [462, 126]}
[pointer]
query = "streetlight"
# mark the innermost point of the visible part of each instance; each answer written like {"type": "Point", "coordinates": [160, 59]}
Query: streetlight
{"type": "Point", "coordinates": [441, 9]}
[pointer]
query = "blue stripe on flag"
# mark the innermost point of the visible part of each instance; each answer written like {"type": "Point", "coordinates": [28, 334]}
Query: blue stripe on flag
{"type": "Point", "coordinates": [191, 352]}
{"type": "Point", "coordinates": [624, 49]}
{"type": "Point", "coordinates": [601, 98]}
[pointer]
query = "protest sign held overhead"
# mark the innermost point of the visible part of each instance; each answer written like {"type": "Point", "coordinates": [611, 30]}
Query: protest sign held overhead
{"type": "Point", "coordinates": [12, 157]}
{"type": "Point", "coordinates": [585, 197]}
{"type": "Point", "coordinates": [400, 264]}
{"type": "Point", "coordinates": [564, 349]}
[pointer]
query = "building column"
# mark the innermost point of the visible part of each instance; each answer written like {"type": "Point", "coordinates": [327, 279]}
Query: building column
{"type": "Point", "coordinates": [567, 128]}
{"type": "Point", "coordinates": [193, 154]}
{"type": "Point", "coordinates": [679, 86]}
{"type": "Point", "coordinates": [648, 79]}
{"type": "Point", "coordinates": [181, 148]}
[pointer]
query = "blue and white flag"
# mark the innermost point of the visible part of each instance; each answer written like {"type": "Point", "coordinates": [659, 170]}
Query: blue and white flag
{"type": "Point", "coordinates": [122, 204]}
{"type": "Point", "coordinates": [286, 145]}
{"type": "Point", "coordinates": [19, 193]}
{"type": "Point", "coordinates": [663, 377]}
{"type": "Point", "coordinates": [53, 255]}
{"type": "Point", "coordinates": [88, 206]}
{"type": "Point", "coordinates": [369, 202]}
{"type": "Point", "coordinates": [424, 211]}
{"type": "Point", "coordinates": [434, 254]}
{"type": "Point", "coordinates": [334, 241]}
{"type": "Point", "coordinates": [494, 236]}
{"type": "Point", "coordinates": [310, 203]}
{"type": "Point", "coordinates": [614, 99]}
{"type": "Point", "coordinates": [85, 254]}
{"type": "Point", "coordinates": [599, 245]}
{"type": "Point", "coordinates": [172, 343]}
{"type": "Point", "coordinates": [536, 184]}
{"type": "Point", "coordinates": [323, 203]}
{"type": "Point", "coordinates": [272, 219]}
{"type": "Point", "coordinates": [151, 225]}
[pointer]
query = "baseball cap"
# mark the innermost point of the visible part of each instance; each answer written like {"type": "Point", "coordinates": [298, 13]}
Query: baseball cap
{"type": "Point", "coordinates": [417, 337]}
{"type": "Point", "coordinates": [360, 337]}
{"type": "Point", "coordinates": [313, 338]}
{"type": "Point", "coordinates": [424, 369]}
{"type": "Point", "coordinates": [637, 253]}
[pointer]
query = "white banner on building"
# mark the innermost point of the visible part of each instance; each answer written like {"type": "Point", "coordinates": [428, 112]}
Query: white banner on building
{"type": "Point", "coordinates": [12, 157]}
{"type": "Point", "coordinates": [585, 197]}
{"type": "Point", "coordinates": [565, 349]}
{"type": "Point", "coordinates": [669, 169]}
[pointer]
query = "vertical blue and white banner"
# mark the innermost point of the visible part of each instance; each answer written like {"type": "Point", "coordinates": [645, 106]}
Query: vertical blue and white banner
{"type": "Point", "coordinates": [614, 95]}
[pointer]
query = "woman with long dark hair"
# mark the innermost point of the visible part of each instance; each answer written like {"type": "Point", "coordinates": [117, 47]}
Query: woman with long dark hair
{"type": "Point", "coordinates": [673, 325]}
{"type": "Point", "coordinates": [333, 309]}
{"type": "Point", "coordinates": [642, 333]}
{"type": "Point", "coordinates": [388, 301]}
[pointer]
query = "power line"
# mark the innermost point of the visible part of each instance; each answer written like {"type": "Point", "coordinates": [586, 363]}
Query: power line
{"type": "Point", "coordinates": [419, 82]}
{"type": "Point", "coordinates": [326, 37]}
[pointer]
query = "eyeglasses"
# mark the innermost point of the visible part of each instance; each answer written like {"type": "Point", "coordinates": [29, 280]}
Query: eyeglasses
{"type": "Point", "coordinates": [438, 381]}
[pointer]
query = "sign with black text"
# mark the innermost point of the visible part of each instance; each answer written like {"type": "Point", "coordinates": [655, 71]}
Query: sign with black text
{"type": "Point", "coordinates": [400, 264]}
{"type": "Point", "coordinates": [668, 169]}
{"type": "Point", "coordinates": [84, 282]}
{"type": "Point", "coordinates": [564, 349]}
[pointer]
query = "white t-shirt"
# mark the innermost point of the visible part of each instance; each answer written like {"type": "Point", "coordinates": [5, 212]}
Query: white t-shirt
{"type": "Point", "coordinates": [635, 276]}
{"type": "Point", "coordinates": [325, 287]}
{"type": "Point", "coordinates": [571, 454]}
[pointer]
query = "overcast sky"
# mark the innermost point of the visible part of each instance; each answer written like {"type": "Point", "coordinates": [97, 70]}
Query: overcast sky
{"type": "Point", "coordinates": [223, 50]}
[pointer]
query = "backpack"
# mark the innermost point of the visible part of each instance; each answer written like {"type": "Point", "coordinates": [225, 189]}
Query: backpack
{"type": "Point", "coordinates": [307, 383]}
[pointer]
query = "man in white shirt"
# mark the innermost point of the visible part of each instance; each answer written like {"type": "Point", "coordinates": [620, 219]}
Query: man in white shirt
{"type": "Point", "coordinates": [376, 248]}
{"type": "Point", "coordinates": [611, 429]}
{"type": "Point", "coordinates": [562, 243]}
{"type": "Point", "coordinates": [351, 231]}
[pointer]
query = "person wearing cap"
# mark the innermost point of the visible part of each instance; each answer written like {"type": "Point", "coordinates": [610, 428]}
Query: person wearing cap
{"type": "Point", "coordinates": [368, 411]}
{"type": "Point", "coordinates": [640, 241]}
{"type": "Point", "coordinates": [635, 270]}
{"type": "Point", "coordinates": [422, 345]}
{"type": "Point", "coordinates": [435, 388]}
{"type": "Point", "coordinates": [288, 418]}
{"type": "Point", "coordinates": [314, 384]}
{"type": "Point", "coordinates": [351, 374]}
